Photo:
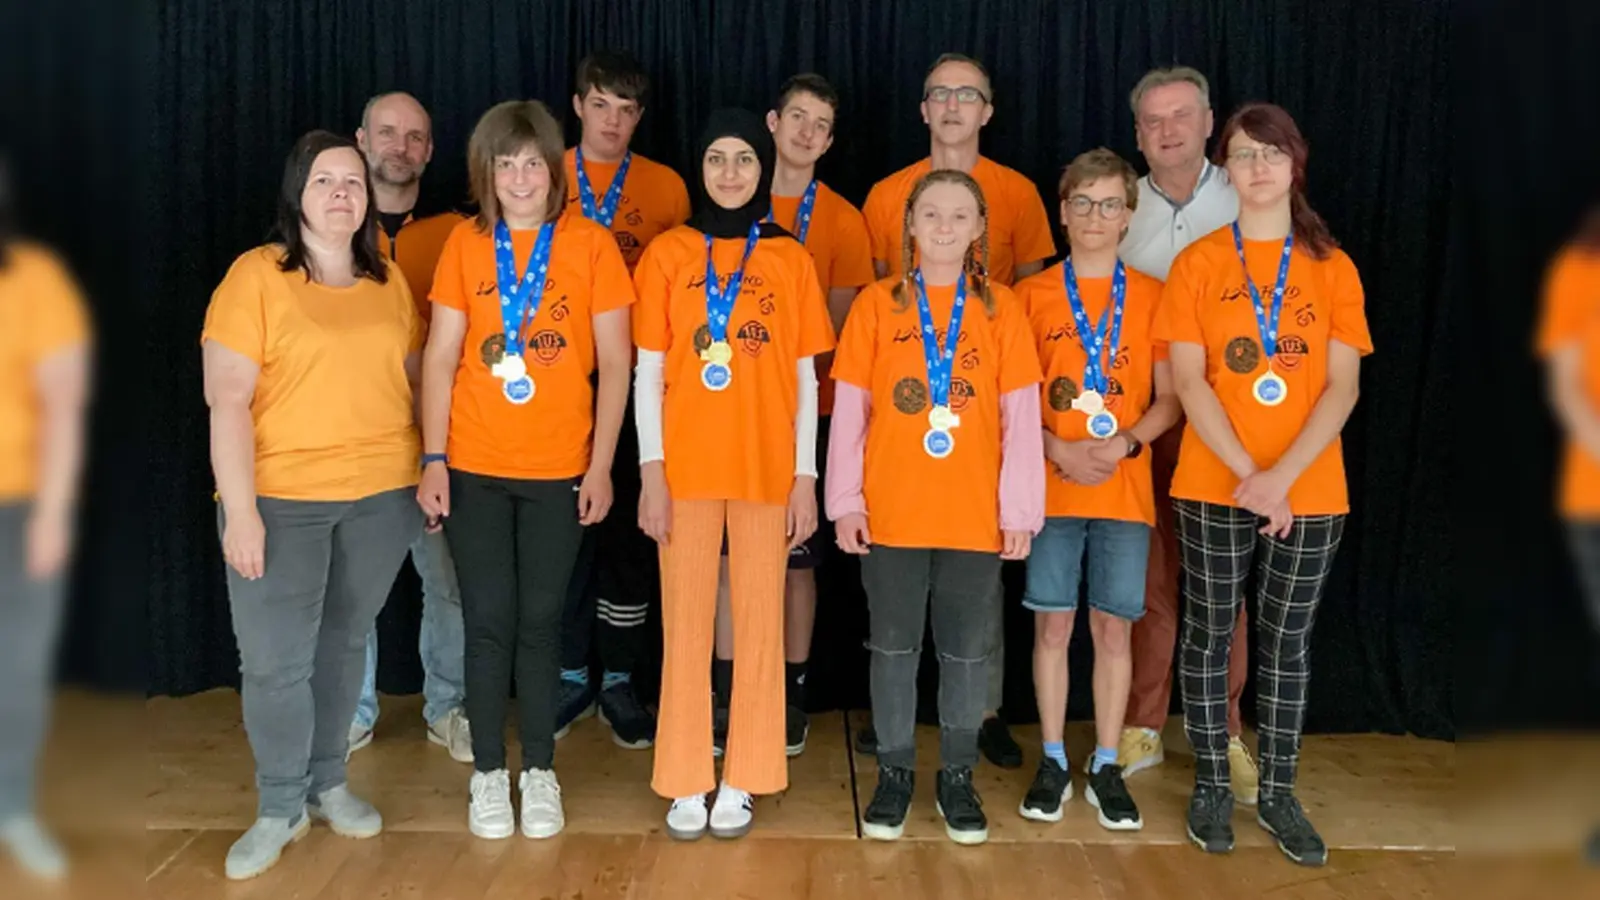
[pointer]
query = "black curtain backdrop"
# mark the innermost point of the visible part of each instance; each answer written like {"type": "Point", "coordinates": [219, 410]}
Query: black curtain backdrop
{"type": "Point", "coordinates": [1367, 80]}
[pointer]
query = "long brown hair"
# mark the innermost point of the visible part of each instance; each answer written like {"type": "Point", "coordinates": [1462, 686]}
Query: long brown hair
{"type": "Point", "coordinates": [1273, 125]}
{"type": "Point", "coordinates": [505, 130]}
{"type": "Point", "coordinates": [976, 266]}
{"type": "Point", "coordinates": [366, 260]}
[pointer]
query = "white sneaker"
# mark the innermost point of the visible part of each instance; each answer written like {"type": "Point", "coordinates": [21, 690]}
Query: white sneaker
{"type": "Point", "coordinates": [686, 820]}
{"type": "Point", "coordinates": [733, 813]}
{"type": "Point", "coordinates": [452, 733]}
{"type": "Point", "coordinates": [489, 812]}
{"type": "Point", "coordinates": [348, 815]}
{"type": "Point", "coordinates": [541, 804]}
{"type": "Point", "coordinates": [360, 736]}
{"type": "Point", "coordinates": [33, 848]}
{"type": "Point", "coordinates": [258, 849]}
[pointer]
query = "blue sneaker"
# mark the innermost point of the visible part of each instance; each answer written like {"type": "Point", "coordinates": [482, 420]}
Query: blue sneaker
{"type": "Point", "coordinates": [577, 704]}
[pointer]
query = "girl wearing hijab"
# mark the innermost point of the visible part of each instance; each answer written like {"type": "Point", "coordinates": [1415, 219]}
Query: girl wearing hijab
{"type": "Point", "coordinates": [729, 319]}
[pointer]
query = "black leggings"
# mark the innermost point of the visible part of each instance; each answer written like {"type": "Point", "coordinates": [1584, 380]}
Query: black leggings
{"type": "Point", "coordinates": [514, 543]}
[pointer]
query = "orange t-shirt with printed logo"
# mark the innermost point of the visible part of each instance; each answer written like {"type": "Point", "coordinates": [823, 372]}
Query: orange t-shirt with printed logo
{"type": "Point", "coordinates": [1019, 227]}
{"type": "Point", "coordinates": [416, 248]}
{"type": "Point", "coordinates": [654, 200]}
{"type": "Point", "coordinates": [550, 436]}
{"type": "Point", "coordinates": [41, 313]}
{"type": "Point", "coordinates": [332, 408]}
{"type": "Point", "coordinates": [842, 251]}
{"type": "Point", "coordinates": [1571, 315]}
{"type": "Point", "coordinates": [1207, 302]}
{"type": "Point", "coordinates": [1128, 494]}
{"type": "Point", "coordinates": [914, 500]}
{"type": "Point", "coordinates": [737, 443]}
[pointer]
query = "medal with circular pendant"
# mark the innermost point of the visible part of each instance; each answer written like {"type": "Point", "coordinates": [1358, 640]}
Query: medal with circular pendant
{"type": "Point", "coordinates": [1090, 403]}
{"type": "Point", "coordinates": [716, 376]}
{"type": "Point", "coordinates": [938, 443]}
{"type": "Point", "coordinates": [1270, 389]}
{"type": "Point", "coordinates": [940, 418]}
{"type": "Point", "coordinates": [1103, 424]}
{"type": "Point", "coordinates": [718, 353]}
{"type": "Point", "coordinates": [510, 367]}
{"type": "Point", "coordinates": [518, 390]}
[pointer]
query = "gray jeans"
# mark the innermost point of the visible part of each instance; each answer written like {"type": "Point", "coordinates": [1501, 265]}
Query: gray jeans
{"type": "Point", "coordinates": [30, 616]}
{"type": "Point", "coordinates": [302, 631]}
{"type": "Point", "coordinates": [960, 587]}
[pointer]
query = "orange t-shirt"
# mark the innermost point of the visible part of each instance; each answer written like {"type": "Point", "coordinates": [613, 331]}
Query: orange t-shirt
{"type": "Point", "coordinates": [332, 407]}
{"type": "Point", "coordinates": [914, 500]}
{"type": "Point", "coordinates": [1128, 494]}
{"type": "Point", "coordinates": [842, 251]}
{"type": "Point", "coordinates": [1572, 315]}
{"type": "Point", "coordinates": [1019, 228]}
{"type": "Point", "coordinates": [737, 443]}
{"type": "Point", "coordinates": [654, 200]}
{"type": "Point", "coordinates": [416, 248]}
{"type": "Point", "coordinates": [41, 313]}
{"type": "Point", "coordinates": [550, 436]}
{"type": "Point", "coordinates": [1206, 302]}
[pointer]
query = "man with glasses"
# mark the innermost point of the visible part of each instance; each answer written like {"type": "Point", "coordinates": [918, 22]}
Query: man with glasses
{"type": "Point", "coordinates": [1184, 198]}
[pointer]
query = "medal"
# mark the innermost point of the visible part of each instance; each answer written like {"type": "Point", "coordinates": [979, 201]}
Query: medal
{"type": "Point", "coordinates": [718, 355]}
{"type": "Point", "coordinates": [1089, 403]}
{"type": "Point", "coordinates": [606, 213]}
{"type": "Point", "coordinates": [519, 305]}
{"type": "Point", "coordinates": [939, 442]}
{"type": "Point", "coordinates": [802, 218]}
{"type": "Point", "coordinates": [518, 390]}
{"type": "Point", "coordinates": [1103, 424]}
{"type": "Point", "coordinates": [1092, 402]}
{"type": "Point", "coordinates": [1270, 389]}
{"type": "Point", "coordinates": [510, 367]}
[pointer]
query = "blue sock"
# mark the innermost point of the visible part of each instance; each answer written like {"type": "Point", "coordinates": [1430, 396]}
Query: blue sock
{"type": "Point", "coordinates": [611, 679]}
{"type": "Point", "coordinates": [1057, 751]}
{"type": "Point", "coordinates": [1103, 756]}
{"type": "Point", "coordinates": [576, 676]}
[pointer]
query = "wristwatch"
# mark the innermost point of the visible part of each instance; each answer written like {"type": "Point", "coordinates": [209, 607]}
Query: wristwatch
{"type": "Point", "coordinates": [433, 458]}
{"type": "Point", "coordinates": [1134, 446]}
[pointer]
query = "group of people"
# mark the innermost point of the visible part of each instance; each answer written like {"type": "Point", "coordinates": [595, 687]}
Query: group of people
{"type": "Point", "coordinates": [600, 367]}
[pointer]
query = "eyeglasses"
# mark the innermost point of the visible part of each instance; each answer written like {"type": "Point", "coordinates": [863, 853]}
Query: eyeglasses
{"type": "Point", "coordinates": [942, 94]}
{"type": "Point", "coordinates": [1269, 154]}
{"type": "Point", "coordinates": [1110, 207]}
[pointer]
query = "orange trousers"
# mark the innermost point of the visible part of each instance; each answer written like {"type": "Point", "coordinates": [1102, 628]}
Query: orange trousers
{"type": "Point", "coordinates": [758, 556]}
{"type": "Point", "coordinates": [1155, 637]}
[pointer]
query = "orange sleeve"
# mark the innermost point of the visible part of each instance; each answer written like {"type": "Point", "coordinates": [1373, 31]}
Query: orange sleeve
{"type": "Point", "coordinates": [237, 318]}
{"type": "Point", "coordinates": [610, 288]}
{"type": "Point", "coordinates": [816, 328]}
{"type": "Point", "coordinates": [652, 285]}
{"type": "Point", "coordinates": [1031, 230]}
{"type": "Point", "coordinates": [450, 286]}
{"type": "Point", "coordinates": [60, 320]}
{"type": "Point", "coordinates": [1349, 324]}
{"type": "Point", "coordinates": [852, 259]}
{"type": "Point", "coordinates": [680, 200]}
{"type": "Point", "coordinates": [1178, 319]}
{"type": "Point", "coordinates": [853, 358]}
{"type": "Point", "coordinates": [1567, 301]}
{"type": "Point", "coordinates": [880, 223]}
{"type": "Point", "coordinates": [1019, 357]}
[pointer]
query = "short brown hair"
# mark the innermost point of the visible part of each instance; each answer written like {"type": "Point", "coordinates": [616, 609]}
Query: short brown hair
{"type": "Point", "coordinates": [614, 72]}
{"type": "Point", "coordinates": [506, 129]}
{"type": "Point", "coordinates": [988, 85]}
{"type": "Point", "coordinates": [1174, 75]}
{"type": "Point", "coordinates": [1093, 165]}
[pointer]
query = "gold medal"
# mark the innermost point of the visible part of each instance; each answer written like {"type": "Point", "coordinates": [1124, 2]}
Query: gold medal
{"type": "Point", "coordinates": [940, 418]}
{"type": "Point", "coordinates": [1089, 403]}
{"type": "Point", "coordinates": [718, 353]}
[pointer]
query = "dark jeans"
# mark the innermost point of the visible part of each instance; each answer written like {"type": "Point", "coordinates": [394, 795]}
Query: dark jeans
{"type": "Point", "coordinates": [1583, 539]}
{"type": "Point", "coordinates": [962, 588]}
{"type": "Point", "coordinates": [514, 542]}
{"type": "Point", "coordinates": [30, 618]}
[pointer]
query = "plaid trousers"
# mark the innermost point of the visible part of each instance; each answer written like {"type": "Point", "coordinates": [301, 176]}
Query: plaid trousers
{"type": "Point", "coordinates": [1218, 545]}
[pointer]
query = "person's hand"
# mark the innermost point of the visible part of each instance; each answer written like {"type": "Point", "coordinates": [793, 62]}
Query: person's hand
{"type": "Point", "coordinates": [655, 502]}
{"type": "Point", "coordinates": [1262, 492]}
{"type": "Point", "coordinates": [49, 538]}
{"type": "Point", "coordinates": [244, 542]}
{"type": "Point", "coordinates": [801, 519]}
{"type": "Point", "coordinates": [1279, 520]}
{"type": "Point", "coordinates": [1113, 450]}
{"type": "Point", "coordinates": [852, 534]}
{"type": "Point", "coordinates": [433, 495]}
{"type": "Point", "coordinates": [1078, 464]}
{"type": "Point", "coordinates": [594, 496]}
{"type": "Point", "coordinates": [1017, 545]}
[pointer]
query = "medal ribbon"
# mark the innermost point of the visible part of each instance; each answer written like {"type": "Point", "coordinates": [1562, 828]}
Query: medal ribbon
{"type": "Point", "coordinates": [1094, 342]}
{"type": "Point", "coordinates": [1266, 323]}
{"type": "Point", "coordinates": [719, 302]}
{"type": "Point", "coordinates": [520, 299]}
{"type": "Point", "coordinates": [802, 219]}
{"type": "Point", "coordinates": [940, 364]}
{"type": "Point", "coordinates": [608, 207]}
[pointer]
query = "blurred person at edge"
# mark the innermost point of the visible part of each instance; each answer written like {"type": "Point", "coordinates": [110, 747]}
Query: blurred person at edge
{"type": "Point", "coordinates": [1569, 341]}
{"type": "Point", "coordinates": [44, 376]}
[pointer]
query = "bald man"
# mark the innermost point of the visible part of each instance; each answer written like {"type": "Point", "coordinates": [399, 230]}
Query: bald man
{"type": "Point", "coordinates": [396, 137]}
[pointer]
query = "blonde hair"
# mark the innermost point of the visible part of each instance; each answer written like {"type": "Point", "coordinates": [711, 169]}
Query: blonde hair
{"type": "Point", "coordinates": [976, 266]}
{"type": "Point", "coordinates": [1156, 78]}
{"type": "Point", "coordinates": [507, 129]}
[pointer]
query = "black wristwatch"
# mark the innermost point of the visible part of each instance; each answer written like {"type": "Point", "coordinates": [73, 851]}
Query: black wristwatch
{"type": "Point", "coordinates": [1134, 446]}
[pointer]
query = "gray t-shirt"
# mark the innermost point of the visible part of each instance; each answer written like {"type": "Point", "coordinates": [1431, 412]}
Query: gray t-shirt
{"type": "Point", "coordinates": [1160, 227]}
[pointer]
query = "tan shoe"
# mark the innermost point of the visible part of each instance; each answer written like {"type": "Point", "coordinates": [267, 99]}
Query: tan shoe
{"type": "Point", "coordinates": [1246, 780]}
{"type": "Point", "coordinates": [1139, 749]}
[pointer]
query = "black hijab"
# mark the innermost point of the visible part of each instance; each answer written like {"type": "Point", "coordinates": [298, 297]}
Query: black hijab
{"type": "Point", "coordinates": [710, 218]}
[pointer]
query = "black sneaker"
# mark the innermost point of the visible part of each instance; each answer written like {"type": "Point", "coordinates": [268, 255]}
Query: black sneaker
{"type": "Point", "coordinates": [1210, 819]}
{"type": "Point", "coordinates": [867, 741]}
{"type": "Point", "coordinates": [797, 725]}
{"type": "Point", "coordinates": [632, 726]}
{"type": "Point", "coordinates": [1052, 786]}
{"type": "Point", "coordinates": [961, 806]}
{"type": "Point", "coordinates": [719, 731]}
{"type": "Point", "coordinates": [995, 740]}
{"type": "Point", "coordinates": [1286, 821]}
{"type": "Point", "coordinates": [577, 703]}
{"type": "Point", "coordinates": [1108, 794]}
{"type": "Point", "coordinates": [885, 818]}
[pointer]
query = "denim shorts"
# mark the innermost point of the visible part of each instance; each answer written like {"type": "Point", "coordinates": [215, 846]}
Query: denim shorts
{"type": "Point", "coordinates": [1118, 552]}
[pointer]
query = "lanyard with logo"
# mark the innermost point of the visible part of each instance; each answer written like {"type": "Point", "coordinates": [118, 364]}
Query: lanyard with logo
{"type": "Point", "coordinates": [1096, 383]}
{"type": "Point", "coordinates": [1270, 389]}
{"type": "Point", "coordinates": [607, 210]}
{"type": "Point", "coordinates": [802, 219]}
{"type": "Point", "coordinates": [717, 372]}
{"type": "Point", "coordinates": [938, 442]}
{"type": "Point", "coordinates": [519, 304]}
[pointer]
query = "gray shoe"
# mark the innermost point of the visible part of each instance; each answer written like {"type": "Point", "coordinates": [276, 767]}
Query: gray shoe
{"type": "Point", "coordinates": [348, 815]}
{"type": "Point", "coordinates": [33, 848]}
{"type": "Point", "coordinates": [259, 848]}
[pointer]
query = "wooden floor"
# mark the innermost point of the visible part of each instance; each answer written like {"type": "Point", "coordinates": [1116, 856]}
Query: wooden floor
{"type": "Point", "coordinates": [1386, 805]}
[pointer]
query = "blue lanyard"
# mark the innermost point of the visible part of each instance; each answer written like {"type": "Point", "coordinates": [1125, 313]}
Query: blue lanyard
{"type": "Point", "coordinates": [1094, 342]}
{"type": "Point", "coordinates": [802, 219]}
{"type": "Point", "coordinates": [719, 302]}
{"type": "Point", "coordinates": [1266, 323]}
{"type": "Point", "coordinates": [520, 299]}
{"type": "Point", "coordinates": [608, 208]}
{"type": "Point", "coordinates": [940, 364]}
